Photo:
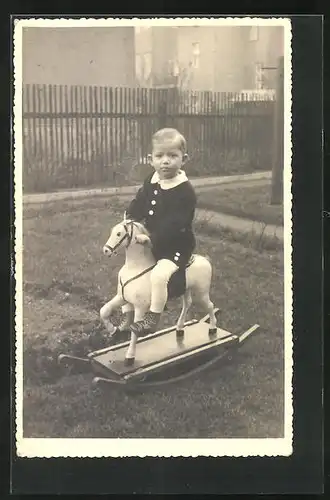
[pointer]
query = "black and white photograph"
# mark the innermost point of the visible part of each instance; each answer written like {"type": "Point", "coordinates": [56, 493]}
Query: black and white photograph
{"type": "Point", "coordinates": [152, 170]}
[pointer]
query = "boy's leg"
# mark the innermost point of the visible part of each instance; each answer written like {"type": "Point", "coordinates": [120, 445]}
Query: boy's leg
{"type": "Point", "coordinates": [160, 276]}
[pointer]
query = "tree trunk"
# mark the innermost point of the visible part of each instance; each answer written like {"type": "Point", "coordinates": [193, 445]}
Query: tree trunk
{"type": "Point", "coordinates": [278, 154]}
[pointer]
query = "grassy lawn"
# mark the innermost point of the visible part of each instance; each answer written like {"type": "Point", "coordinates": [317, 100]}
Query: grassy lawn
{"type": "Point", "coordinates": [67, 279]}
{"type": "Point", "coordinates": [249, 201]}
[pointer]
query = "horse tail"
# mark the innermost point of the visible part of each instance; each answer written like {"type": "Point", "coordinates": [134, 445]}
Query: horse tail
{"type": "Point", "coordinates": [206, 257]}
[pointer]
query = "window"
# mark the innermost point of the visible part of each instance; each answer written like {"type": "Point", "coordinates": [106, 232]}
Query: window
{"type": "Point", "coordinates": [254, 33]}
{"type": "Point", "coordinates": [196, 54]}
{"type": "Point", "coordinates": [176, 68]}
{"type": "Point", "coordinates": [143, 66]}
{"type": "Point", "coordinates": [147, 65]}
{"type": "Point", "coordinates": [259, 76]}
{"type": "Point", "coordinates": [138, 66]}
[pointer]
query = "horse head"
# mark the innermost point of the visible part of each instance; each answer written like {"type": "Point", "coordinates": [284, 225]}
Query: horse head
{"type": "Point", "coordinates": [123, 235]}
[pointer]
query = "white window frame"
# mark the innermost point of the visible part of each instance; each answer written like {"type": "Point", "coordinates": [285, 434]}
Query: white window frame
{"type": "Point", "coordinates": [143, 66]}
{"type": "Point", "coordinates": [138, 65]}
{"type": "Point", "coordinates": [196, 55]}
{"type": "Point", "coordinates": [259, 79]}
{"type": "Point", "coordinates": [147, 65]}
{"type": "Point", "coordinates": [254, 33]}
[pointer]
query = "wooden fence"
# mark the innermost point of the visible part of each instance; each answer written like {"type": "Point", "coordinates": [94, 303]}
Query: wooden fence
{"type": "Point", "coordinates": [83, 136]}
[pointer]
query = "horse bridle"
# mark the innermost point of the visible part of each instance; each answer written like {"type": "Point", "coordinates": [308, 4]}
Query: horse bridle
{"type": "Point", "coordinates": [127, 234]}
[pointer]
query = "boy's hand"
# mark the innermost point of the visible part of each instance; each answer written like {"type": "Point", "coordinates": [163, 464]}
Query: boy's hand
{"type": "Point", "coordinates": [143, 239]}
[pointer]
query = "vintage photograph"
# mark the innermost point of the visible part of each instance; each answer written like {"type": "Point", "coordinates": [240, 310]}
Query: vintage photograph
{"type": "Point", "coordinates": [153, 237]}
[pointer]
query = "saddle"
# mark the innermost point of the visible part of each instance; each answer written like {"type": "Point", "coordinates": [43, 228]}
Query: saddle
{"type": "Point", "coordinates": [177, 283]}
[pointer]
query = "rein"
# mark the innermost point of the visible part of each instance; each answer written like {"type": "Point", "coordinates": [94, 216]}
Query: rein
{"type": "Point", "coordinates": [134, 278]}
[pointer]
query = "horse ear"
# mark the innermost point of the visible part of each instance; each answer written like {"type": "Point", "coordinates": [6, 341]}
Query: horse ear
{"type": "Point", "coordinates": [127, 220]}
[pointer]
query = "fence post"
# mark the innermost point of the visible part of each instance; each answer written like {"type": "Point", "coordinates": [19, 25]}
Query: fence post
{"type": "Point", "coordinates": [162, 108]}
{"type": "Point", "coordinates": [278, 153]}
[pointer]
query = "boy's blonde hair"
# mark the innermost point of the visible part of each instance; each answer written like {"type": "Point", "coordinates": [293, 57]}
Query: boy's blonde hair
{"type": "Point", "coordinates": [170, 134]}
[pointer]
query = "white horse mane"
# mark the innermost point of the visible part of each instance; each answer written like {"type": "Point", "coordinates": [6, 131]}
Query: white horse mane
{"type": "Point", "coordinates": [139, 225]}
{"type": "Point", "coordinates": [142, 228]}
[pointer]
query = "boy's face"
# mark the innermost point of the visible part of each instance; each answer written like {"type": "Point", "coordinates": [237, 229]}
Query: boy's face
{"type": "Point", "coordinates": [167, 159]}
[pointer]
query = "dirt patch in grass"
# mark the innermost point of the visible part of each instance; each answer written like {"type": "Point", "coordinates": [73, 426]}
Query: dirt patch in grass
{"type": "Point", "coordinates": [57, 322]}
{"type": "Point", "coordinates": [252, 202]}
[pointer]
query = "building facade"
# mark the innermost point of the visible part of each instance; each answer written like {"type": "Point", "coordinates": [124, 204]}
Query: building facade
{"type": "Point", "coordinates": [229, 59]}
{"type": "Point", "coordinates": [263, 46]}
{"type": "Point", "coordinates": [79, 56]}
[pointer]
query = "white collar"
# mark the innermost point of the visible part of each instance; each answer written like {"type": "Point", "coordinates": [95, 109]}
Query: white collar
{"type": "Point", "coordinates": [169, 183]}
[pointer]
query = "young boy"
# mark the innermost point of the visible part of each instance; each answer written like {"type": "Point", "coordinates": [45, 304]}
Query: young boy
{"type": "Point", "coordinates": [166, 205]}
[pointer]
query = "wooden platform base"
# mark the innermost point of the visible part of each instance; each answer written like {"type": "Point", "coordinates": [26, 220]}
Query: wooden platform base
{"type": "Point", "coordinates": [189, 350]}
{"type": "Point", "coordinates": [155, 352]}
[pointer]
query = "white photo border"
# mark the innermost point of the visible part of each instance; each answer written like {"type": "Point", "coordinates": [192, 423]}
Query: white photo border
{"type": "Point", "coordinates": [46, 448]}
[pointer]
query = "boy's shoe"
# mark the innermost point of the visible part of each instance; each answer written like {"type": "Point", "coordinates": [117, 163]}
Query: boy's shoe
{"type": "Point", "coordinates": [127, 320]}
{"type": "Point", "coordinates": [146, 325]}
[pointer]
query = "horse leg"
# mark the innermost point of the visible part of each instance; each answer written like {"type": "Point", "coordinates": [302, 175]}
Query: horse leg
{"type": "Point", "coordinates": [208, 305]}
{"type": "Point", "coordinates": [200, 278]}
{"type": "Point", "coordinates": [128, 317]}
{"type": "Point", "coordinates": [107, 310]}
{"type": "Point", "coordinates": [130, 353]}
{"type": "Point", "coordinates": [186, 303]}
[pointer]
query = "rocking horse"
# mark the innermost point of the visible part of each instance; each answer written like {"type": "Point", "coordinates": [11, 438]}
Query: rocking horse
{"type": "Point", "coordinates": [140, 358]}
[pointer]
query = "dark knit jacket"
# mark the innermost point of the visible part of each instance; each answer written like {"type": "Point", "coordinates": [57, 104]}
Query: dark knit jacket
{"type": "Point", "coordinates": [168, 215]}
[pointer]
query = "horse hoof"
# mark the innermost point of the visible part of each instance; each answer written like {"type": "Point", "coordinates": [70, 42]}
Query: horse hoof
{"type": "Point", "coordinates": [179, 334]}
{"type": "Point", "coordinates": [213, 332]}
{"type": "Point", "coordinates": [61, 359]}
{"type": "Point", "coordinates": [96, 382]}
{"type": "Point", "coordinates": [129, 361]}
{"type": "Point", "coordinates": [113, 335]}
{"type": "Point", "coordinates": [124, 332]}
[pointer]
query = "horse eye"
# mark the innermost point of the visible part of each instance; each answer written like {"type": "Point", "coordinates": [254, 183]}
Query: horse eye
{"type": "Point", "coordinates": [118, 234]}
